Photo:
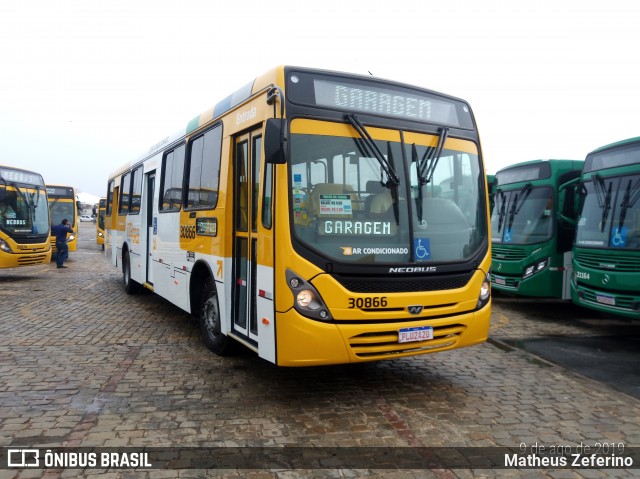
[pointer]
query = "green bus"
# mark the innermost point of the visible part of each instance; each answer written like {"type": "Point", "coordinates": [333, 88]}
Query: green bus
{"type": "Point", "coordinates": [531, 244]}
{"type": "Point", "coordinates": [606, 253]}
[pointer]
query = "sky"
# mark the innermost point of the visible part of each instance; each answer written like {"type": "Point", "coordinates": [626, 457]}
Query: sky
{"type": "Point", "coordinates": [87, 86]}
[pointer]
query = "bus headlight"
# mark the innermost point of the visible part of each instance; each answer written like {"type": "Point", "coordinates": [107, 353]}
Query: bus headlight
{"type": "Point", "coordinates": [4, 246]}
{"type": "Point", "coordinates": [307, 299]}
{"type": "Point", "coordinates": [100, 235]}
{"type": "Point", "coordinates": [70, 238]}
{"type": "Point", "coordinates": [485, 291]}
{"type": "Point", "coordinates": [535, 268]}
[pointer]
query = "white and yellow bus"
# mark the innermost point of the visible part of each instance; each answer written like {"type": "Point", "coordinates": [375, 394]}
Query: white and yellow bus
{"type": "Point", "coordinates": [24, 218]}
{"type": "Point", "coordinates": [100, 222]}
{"type": "Point", "coordinates": [63, 203]}
{"type": "Point", "coordinates": [315, 217]}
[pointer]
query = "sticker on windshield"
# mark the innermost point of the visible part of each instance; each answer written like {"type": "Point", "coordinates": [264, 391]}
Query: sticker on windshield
{"type": "Point", "coordinates": [507, 236]}
{"type": "Point", "coordinates": [619, 237]}
{"type": "Point", "coordinates": [375, 251]}
{"type": "Point", "coordinates": [422, 248]}
{"type": "Point", "coordinates": [335, 205]}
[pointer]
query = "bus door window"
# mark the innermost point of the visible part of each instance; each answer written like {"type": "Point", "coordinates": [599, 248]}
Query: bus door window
{"type": "Point", "coordinates": [248, 173]}
{"type": "Point", "coordinates": [148, 198]}
{"type": "Point", "coordinates": [241, 244]}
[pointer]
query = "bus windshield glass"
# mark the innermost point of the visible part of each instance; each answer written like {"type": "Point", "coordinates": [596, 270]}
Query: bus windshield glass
{"type": "Point", "coordinates": [23, 210]}
{"type": "Point", "coordinates": [610, 215]}
{"type": "Point", "coordinates": [353, 204]}
{"type": "Point", "coordinates": [522, 216]}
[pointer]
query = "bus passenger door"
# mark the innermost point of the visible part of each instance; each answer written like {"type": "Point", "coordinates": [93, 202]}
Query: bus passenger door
{"type": "Point", "coordinates": [150, 185]}
{"type": "Point", "coordinates": [252, 307]}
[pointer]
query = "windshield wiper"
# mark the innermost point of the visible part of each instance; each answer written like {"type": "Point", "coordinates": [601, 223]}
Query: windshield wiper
{"type": "Point", "coordinates": [631, 195]}
{"type": "Point", "coordinates": [430, 159]}
{"type": "Point", "coordinates": [604, 198]}
{"type": "Point", "coordinates": [29, 201]}
{"type": "Point", "coordinates": [518, 201]}
{"type": "Point", "coordinates": [502, 209]}
{"type": "Point", "coordinates": [373, 149]}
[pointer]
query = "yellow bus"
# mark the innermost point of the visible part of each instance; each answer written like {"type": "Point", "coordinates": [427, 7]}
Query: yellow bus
{"type": "Point", "coordinates": [24, 218]}
{"type": "Point", "coordinates": [315, 217]}
{"type": "Point", "coordinates": [100, 222]}
{"type": "Point", "coordinates": [63, 203]}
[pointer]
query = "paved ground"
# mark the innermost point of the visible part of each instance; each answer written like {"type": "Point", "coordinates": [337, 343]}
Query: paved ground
{"type": "Point", "coordinates": [83, 364]}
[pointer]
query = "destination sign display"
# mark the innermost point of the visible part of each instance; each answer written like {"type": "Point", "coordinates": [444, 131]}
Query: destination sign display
{"type": "Point", "coordinates": [21, 176]}
{"type": "Point", "coordinates": [377, 97]}
{"type": "Point", "coordinates": [533, 172]}
{"type": "Point", "coordinates": [60, 191]}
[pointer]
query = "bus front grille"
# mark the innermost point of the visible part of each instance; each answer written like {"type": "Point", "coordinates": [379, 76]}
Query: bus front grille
{"type": "Point", "coordinates": [385, 344]}
{"type": "Point", "coordinates": [609, 262]}
{"type": "Point", "coordinates": [32, 259]}
{"type": "Point", "coordinates": [372, 284]}
{"type": "Point", "coordinates": [511, 253]}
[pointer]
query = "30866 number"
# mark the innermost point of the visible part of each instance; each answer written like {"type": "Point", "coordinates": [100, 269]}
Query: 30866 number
{"type": "Point", "coordinates": [368, 303]}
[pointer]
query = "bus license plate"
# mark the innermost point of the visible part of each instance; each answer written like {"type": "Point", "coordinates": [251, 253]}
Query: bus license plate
{"type": "Point", "coordinates": [500, 281]}
{"type": "Point", "coordinates": [408, 335]}
{"type": "Point", "coordinates": [604, 299]}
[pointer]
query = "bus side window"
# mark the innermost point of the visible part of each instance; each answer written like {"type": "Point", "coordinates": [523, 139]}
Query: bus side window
{"type": "Point", "coordinates": [109, 198]}
{"type": "Point", "coordinates": [204, 169]}
{"type": "Point", "coordinates": [172, 174]}
{"type": "Point", "coordinates": [136, 192]}
{"type": "Point", "coordinates": [125, 188]}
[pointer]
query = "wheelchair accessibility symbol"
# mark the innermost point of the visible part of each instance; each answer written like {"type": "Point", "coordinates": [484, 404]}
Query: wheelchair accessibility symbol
{"type": "Point", "coordinates": [507, 236]}
{"type": "Point", "coordinates": [422, 248]}
{"type": "Point", "coordinates": [619, 237]}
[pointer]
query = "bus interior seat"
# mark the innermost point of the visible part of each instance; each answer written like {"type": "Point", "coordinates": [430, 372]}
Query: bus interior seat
{"type": "Point", "coordinates": [373, 188]}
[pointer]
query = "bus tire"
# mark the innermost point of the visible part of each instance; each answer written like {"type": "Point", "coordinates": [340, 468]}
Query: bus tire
{"type": "Point", "coordinates": [210, 321]}
{"type": "Point", "coordinates": [130, 286]}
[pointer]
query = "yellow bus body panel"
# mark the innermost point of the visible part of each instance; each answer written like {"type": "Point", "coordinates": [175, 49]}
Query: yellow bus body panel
{"type": "Point", "coordinates": [25, 255]}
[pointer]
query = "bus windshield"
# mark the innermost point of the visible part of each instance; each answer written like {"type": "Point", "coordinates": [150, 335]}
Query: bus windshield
{"type": "Point", "coordinates": [610, 215]}
{"type": "Point", "coordinates": [23, 210]}
{"type": "Point", "coordinates": [523, 216]}
{"type": "Point", "coordinates": [62, 209]}
{"type": "Point", "coordinates": [353, 204]}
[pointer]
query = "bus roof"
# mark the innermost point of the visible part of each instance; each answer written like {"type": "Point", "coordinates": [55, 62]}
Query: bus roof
{"type": "Point", "coordinates": [617, 144]}
{"type": "Point", "coordinates": [274, 76]}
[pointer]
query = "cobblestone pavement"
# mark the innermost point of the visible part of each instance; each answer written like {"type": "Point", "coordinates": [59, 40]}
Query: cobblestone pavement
{"type": "Point", "coordinates": [83, 364]}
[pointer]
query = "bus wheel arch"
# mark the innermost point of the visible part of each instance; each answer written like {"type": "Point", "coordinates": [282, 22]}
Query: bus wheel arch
{"type": "Point", "coordinates": [208, 313]}
{"type": "Point", "coordinates": [130, 286]}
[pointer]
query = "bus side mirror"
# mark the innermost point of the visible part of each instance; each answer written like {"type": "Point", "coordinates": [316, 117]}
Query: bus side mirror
{"type": "Point", "coordinates": [275, 141]}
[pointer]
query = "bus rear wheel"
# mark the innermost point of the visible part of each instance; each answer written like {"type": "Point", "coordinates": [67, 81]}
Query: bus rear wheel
{"type": "Point", "coordinates": [210, 321]}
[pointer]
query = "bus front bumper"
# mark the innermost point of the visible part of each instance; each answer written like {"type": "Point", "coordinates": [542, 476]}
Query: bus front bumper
{"type": "Point", "coordinates": [305, 342]}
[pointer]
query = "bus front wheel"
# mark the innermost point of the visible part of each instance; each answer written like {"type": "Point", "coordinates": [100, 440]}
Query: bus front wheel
{"type": "Point", "coordinates": [210, 322]}
{"type": "Point", "coordinates": [130, 286]}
